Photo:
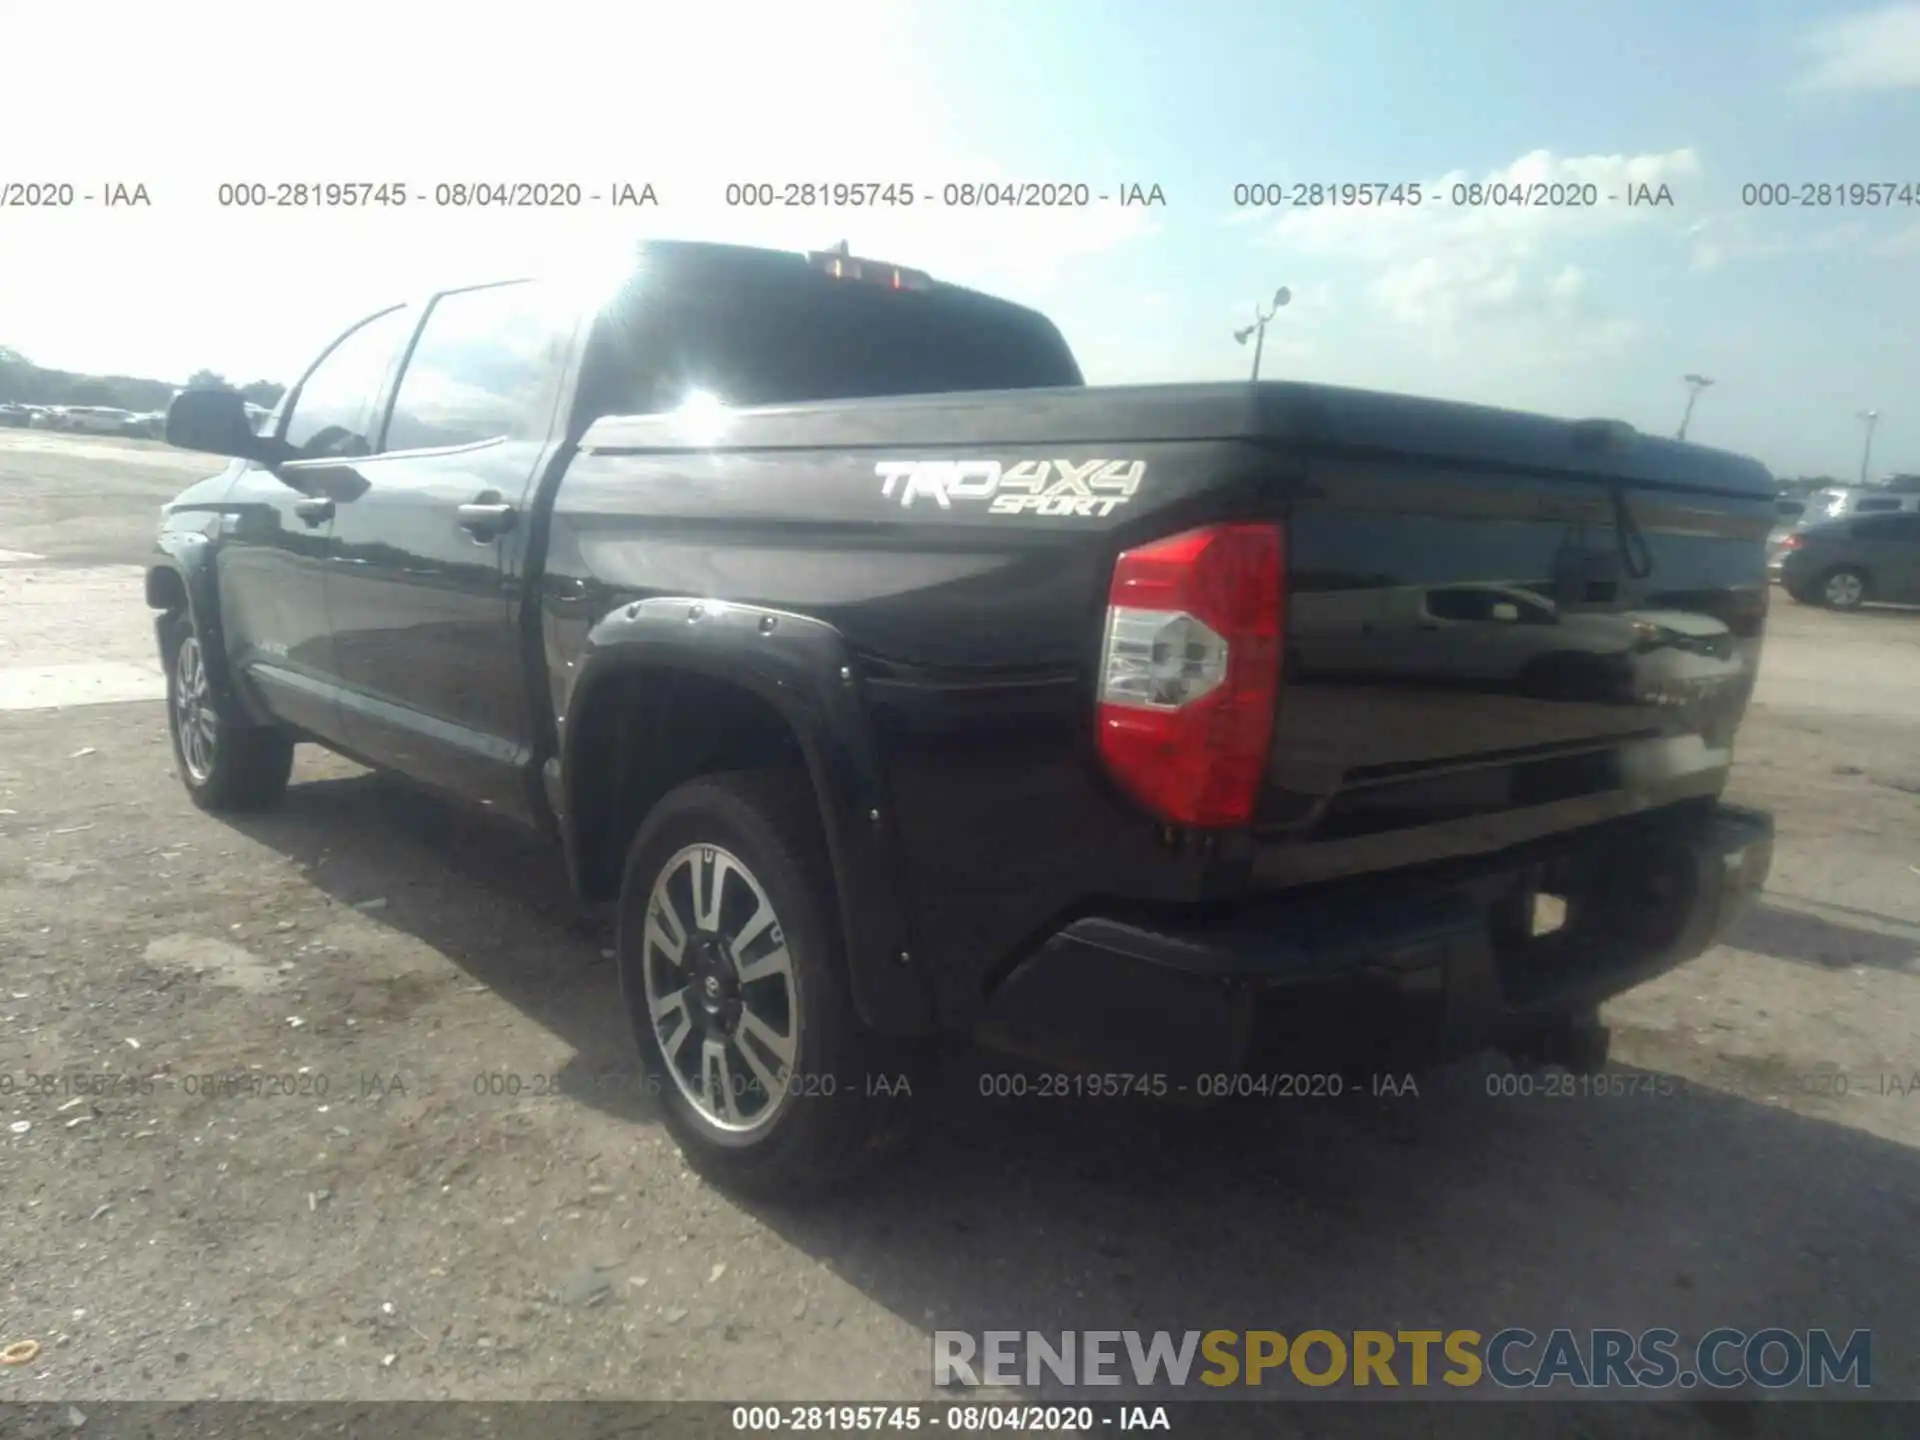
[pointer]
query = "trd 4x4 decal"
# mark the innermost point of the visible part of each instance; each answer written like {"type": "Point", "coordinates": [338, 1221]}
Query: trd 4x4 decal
{"type": "Point", "coordinates": [1087, 488]}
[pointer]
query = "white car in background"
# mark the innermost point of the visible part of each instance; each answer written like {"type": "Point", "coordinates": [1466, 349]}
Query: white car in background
{"type": "Point", "coordinates": [97, 420]}
{"type": "Point", "coordinates": [1902, 495]}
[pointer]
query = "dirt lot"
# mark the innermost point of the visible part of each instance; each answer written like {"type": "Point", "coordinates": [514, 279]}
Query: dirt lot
{"type": "Point", "coordinates": [335, 1102]}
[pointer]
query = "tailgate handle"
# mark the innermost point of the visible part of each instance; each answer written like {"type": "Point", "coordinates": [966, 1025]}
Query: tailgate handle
{"type": "Point", "coordinates": [315, 510]}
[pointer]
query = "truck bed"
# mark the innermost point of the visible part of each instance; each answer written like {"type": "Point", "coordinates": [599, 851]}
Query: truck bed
{"type": "Point", "coordinates": [1498, 625]}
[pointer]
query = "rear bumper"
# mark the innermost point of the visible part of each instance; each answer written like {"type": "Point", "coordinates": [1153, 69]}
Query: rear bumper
{"type": "Point", "coordinates": [1409, 967]}
{"type": "Point", "coordinates": [1790, 569]}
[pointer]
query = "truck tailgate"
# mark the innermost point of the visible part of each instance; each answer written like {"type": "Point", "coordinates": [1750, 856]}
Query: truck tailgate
{"type": "Point", "coordinates": [1500, 626]}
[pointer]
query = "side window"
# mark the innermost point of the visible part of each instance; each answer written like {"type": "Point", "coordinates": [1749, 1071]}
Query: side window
{"type": "Point", "coordinates": [1473, 604]}
{"type": "Point", "coordinates": [334, 413]}
{"type": "Point", "coordinates": [1461, 604]}
{"type": "Point", "coordinates": [487, 366]}
{"type": "Point", "coordinates": [1902, 529]}
{"type": "Point", "coordinates": [1875, 505]}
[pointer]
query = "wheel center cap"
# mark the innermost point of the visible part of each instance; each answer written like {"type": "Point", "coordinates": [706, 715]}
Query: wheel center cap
{"type": "Point", "coordinates": [715, 986]}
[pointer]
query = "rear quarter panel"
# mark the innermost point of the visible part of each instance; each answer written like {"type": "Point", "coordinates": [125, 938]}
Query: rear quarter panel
{"type": "Point", "coordinates": [974, 632]}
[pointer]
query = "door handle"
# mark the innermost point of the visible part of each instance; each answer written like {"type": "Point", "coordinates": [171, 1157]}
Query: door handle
{"type": "Point", "coordinates": [314, 511]}
{"type": "Point", "coordinates": [486, 519]}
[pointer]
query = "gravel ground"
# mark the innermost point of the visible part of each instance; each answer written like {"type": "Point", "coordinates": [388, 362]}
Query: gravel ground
{"type": "Point", "coordinates": [335, 1103]}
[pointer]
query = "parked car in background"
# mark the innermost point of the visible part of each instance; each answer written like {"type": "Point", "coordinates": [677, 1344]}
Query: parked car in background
{"type": "Point", "coordinates": [97, 419]}
{"type": "Point", "coordinates": [53, 417]}
{"type": "Point", "coordinates": [257, 417]}
{"type": "Point", "coordinates": [1776, 547]}
{"type": "Point", "coordinates": [151, 425]}
{"type": "Point", "coordinates": [1792, 513]}
{"type": "Point", "coordinates": [16, 417]}
{"type": "Point", "coordinates": [1845, 563]}
{"type": "Point", "coordinates": [1862, 500]}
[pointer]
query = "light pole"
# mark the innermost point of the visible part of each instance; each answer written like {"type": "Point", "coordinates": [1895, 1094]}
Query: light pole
{"type": "Point", "coordinates": [1695, 384]}
{"type": "Point", "coordinates": [1258, 330]}
{"type": "Point", "coordinates": [1872, 417]}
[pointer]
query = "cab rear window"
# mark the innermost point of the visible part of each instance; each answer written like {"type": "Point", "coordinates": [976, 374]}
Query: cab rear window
{"type": "Point", "coordinates": [818, 339]}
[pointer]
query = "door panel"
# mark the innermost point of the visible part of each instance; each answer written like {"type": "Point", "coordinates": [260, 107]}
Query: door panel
{"type": "Point", "coordinates": [426, 640]}
{"type": "Point", "coordinates": [274, 551]}
{"type": "Point", "coordinates": [1897, 560]}
{"type": "Point", "coordinates": [272, 572]}
{"type": "Point", "coordinates": [426, 631]}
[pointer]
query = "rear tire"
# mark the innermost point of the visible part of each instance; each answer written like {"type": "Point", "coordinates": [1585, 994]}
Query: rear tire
{"type": "Point", "coordinates": [734, 979]}
{"type": "Point", "coordinates": [225, 767]}
{"type": "Point", "coordinates": [1843, 588]}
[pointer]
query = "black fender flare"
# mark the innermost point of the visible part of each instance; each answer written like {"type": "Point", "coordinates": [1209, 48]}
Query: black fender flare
{"type": "Point", "coordinates": [188, 556]}
{"type": "Point", "coordinates": [804, 669]}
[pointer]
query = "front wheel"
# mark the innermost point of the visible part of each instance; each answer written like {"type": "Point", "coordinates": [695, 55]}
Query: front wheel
{"type": "Point", "coordinates": [732, 973]}
{"type": "Point", "coordinates": [224, 767]}
{"type": "Point", "coordinates": [1843, 588]}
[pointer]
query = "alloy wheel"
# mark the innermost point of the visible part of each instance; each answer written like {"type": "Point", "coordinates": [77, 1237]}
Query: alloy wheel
{"type": "Point", "coordinates": [194, 723]}
{"type": "Point", "coordinates": [720, 989]}
{"type": "Point", "coordinates": [1843, 589]}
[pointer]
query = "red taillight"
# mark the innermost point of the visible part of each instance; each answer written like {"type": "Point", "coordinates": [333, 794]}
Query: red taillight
{"type": "Point", "coordinates": [1190, 671]}
{"type": "Point", "coordinates": [1791, 542]}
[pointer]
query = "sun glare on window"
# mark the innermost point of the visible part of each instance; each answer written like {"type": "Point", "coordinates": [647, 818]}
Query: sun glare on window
{"type": "Point", "coordinates": [701, 416]}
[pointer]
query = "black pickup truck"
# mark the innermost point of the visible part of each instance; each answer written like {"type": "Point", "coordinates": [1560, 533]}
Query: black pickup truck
{"type": "Point", "coordinates": [893, 684]}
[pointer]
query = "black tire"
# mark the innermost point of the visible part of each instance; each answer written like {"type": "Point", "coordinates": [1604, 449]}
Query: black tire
{"type": "Point", "coordinates": [1844, 587]}
{"type": "Point", "coordinates": [829, 1122]}
{"type": "Point", "coordinates": [230, 768]}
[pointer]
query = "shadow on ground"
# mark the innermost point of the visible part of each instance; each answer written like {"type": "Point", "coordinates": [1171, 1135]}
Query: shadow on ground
{"type": "Point", "coordinates": [1823, 940]}
{"type": "Point", "coordinates": [1663, 1205]}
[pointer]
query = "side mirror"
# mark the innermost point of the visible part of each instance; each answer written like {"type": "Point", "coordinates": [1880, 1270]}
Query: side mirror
{"type": "Point", "coordinates": [214, 421]}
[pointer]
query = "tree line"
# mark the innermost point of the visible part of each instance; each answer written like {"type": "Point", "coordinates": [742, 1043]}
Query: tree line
{"type": "Point", "coordinates": [24, 383]}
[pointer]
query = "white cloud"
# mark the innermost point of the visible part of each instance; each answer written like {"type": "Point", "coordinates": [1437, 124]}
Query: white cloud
{"type": "Point", "coordinates": [1902, 242]}
{"type": "Point", "coordinates": [1709, 253]}
{"type": "Point", "coordinates": [1736, 235]}
{"type": "Point", "coordinates": [1456, 280]}
{"type": "Point", "coordinates": [1870, 51]}
{"type": "Point", "coordinates": [1569, 284]}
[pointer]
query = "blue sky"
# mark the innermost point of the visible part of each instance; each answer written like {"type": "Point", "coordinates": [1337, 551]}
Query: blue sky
{"type": "Point", "coordinates": [1803, 317]}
